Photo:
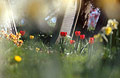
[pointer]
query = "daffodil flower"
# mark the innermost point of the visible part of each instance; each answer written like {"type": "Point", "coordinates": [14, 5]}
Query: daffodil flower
{"type": "Point", "coordinates": [112, 23]}
{"type": "Point", "coordinates": [108, 30]}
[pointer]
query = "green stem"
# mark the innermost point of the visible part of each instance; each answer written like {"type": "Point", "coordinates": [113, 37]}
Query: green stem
{"type": "Point", "coordinates": [84, 47]}
{"type": "Point", "coordinates": [77, 42]}
{"type": "Point", "coordinates": [110, 44]}
{"type": "Point", "coordinates": [117, 35]}
{"type": "Point", "coordinates": [88, 46]}
{"type": "Point", "coordinates": [62, 44]}
{"type": "Point", "coordinates": [81, 45]}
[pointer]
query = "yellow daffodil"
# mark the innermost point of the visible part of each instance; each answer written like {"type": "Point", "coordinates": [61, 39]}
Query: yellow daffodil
{"type": "Point", "coordinates": [112, 23]}
{"type": "Point", "coordinates": [37, 49]}
{"type": "Point", "coordinates": [31, 37]}
{"type": "Point", "coordinates": [108, 30]}
{"type": "Point", "coordinates": [115, 24]}
{"type": "Point", "coordinates": [18, 58]}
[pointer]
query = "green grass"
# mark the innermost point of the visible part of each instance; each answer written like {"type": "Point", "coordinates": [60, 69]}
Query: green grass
{"type": "Point", "coordinates": [50, 63]}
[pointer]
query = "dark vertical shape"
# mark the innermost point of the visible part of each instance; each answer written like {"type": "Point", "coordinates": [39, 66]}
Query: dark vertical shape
{"type": "Point", "coordinates": [13, 29]}
{"type": "Point", "coordinates": [75, 19]}
{"type": "Point", "coordinates": [58, 24]}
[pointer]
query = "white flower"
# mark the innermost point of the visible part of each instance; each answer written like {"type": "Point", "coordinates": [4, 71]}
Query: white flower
{"type": "Point", "coordinates": [112, 23]}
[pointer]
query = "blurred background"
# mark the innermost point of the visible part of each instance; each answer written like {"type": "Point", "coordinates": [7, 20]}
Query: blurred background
{"type": "Point", "coordinates": [41, 60]}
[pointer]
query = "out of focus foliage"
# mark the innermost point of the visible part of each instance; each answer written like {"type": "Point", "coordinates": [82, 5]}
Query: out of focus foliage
{"type": "Point", "coordinates": [37, 60]}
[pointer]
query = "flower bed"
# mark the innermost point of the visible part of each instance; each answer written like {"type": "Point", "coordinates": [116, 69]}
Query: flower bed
{"type": "Point", "coordinates": [85, 58]}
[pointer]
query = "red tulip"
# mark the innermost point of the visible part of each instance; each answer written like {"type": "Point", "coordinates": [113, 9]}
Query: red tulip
{"type": "Point", "coordinates": [72, 41]}
{"type": "Point", "coordinates": [63, 34]}
{"type": "Point", "coordinates": [91, 40]}
{"type": "Point", "coordinates": [82, 36]}
{"type": "Point", "coordinates": [77, 33]}
{"type": "Point", "coordinates": [22, 33]}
